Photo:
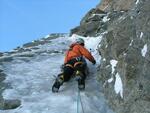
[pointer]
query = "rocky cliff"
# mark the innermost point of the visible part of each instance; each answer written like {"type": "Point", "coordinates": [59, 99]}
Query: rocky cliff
{"type": "Point", "coordinates": [125, 51]}
{"type": "Point", "coordinates": [116, 5]}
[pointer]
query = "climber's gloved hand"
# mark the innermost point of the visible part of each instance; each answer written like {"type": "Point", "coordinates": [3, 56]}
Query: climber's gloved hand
{"type": "Point", "coordinates": [94, 62]}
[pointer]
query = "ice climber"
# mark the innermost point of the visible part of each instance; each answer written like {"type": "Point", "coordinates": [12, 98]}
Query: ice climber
{"type": "Point", "coordinates": [74, 64]}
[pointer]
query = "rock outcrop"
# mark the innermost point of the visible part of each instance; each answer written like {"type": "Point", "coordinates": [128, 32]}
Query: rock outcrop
{"type": "Point", "coordinates": [90, 23]}
{"type": "Point", "coordinates": [125, 52]}
{"type": "Point", "coordinates": [6, 104]}
{"type": "Point", "coordinates": [116, 5]}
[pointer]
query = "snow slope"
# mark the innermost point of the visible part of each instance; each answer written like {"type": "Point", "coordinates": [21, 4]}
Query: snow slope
{"type": "Point", "coordinates": [31, 79]}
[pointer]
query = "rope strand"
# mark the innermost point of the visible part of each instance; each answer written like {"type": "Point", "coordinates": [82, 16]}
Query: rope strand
{"type": "Point", "coordinates": [79, 101]}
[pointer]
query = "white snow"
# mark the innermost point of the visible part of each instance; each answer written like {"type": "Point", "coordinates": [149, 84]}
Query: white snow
{"type": "Point", "coordinates": [107, 66]}
{"type": "Point", "coordinates": [144, 50]}
{"type": "Point", "coordinates": [105, 19]}
{"type": "Point", "coordinates": [96, 15]}
{"type": "Point", "coordinates": [32, 78]}
{"type": "Point", "coordinates": [124, 54]}
{"type": "Point", "coordinates": [137, 1]}
{"type": "Point", "coordinates": [99, 14]}
{"type": "Point", "coordinates": [122, 18]}
{"type": "Point", "coordinates": [104, 33]}
{"type": "Point", "coordinates": [104, 59]}
{"type": "Point", "coordinates": [106, 46]}
{"type": "Point", "coordinates": [110, 80]}
{"type": "Point", "coordinates": [131, 17]}
{"type": "Point", "coordinates": [118, 85]}
{"type": "Point", "coordinates": [47, 36]}
{"type": "Point", "coordinates": [113, 65]}
{"type": "Point", "coordinates": [131, 43]}
{"type": "Point", "coordinates": [141, 35]}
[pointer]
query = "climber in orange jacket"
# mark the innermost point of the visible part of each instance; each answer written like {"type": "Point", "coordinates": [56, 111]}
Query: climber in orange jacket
{"type": "Point", "coordinates": [74, 63]}
{"type": "Point", "coordinates": [78, 50]}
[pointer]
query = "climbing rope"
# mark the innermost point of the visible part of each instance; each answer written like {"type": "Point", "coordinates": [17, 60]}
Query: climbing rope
{"type": "Point", "coordinates": [79, 101]}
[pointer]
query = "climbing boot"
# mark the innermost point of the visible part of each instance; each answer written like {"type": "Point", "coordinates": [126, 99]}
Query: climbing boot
{"type": "Point", "coordinates": [59, 81]}
{"type": "Point", "coordinates": [78, 75]}
{"type": "Point", "coordinates": [81, 81]}
{"type": "Point", "coordinates": [81, 84]}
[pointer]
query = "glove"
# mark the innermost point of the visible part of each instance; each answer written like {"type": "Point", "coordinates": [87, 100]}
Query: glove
{"type": "Point", "coordinates": [94, 62]}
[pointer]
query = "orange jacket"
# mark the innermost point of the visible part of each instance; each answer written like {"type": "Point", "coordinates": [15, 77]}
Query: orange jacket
{"type": "Point", "coordinates": [77, 50]}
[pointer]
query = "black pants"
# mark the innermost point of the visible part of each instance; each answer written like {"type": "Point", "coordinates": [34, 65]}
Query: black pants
{"type": "Point", "coordinates": [76, 64]}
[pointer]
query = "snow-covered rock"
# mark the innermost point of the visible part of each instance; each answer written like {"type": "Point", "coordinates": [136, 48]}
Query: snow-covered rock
{"type": "Point", "coordinates": [32, 73]}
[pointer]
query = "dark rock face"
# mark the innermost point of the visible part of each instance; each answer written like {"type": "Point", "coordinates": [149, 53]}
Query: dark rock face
{"type": "Point", "coordinates": [6, 104]}
{"type": "Point", "coordinates": [36, 43]}
{"type": "Point", "coordinates": [43, 40]}
{"type": "Point", "coordinates": [90, 23]}
{"type": "Point", "coordinates": [6, 59]}
{"type": "Point", "coordinates": [116, 5]}
{"type": "Point", "coordinates": [1, 54]}
{"type": "Point", "coordinates": [126, 39]}
{"type": "Point", "coordinates": [2, 76]}
{"type": "Point", "coordinates": [9, 104]}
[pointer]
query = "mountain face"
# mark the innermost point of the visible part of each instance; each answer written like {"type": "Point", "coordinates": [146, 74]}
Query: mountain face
{"type": "Point", "coordinates": [27, 74]}
{"type": "Point", "coordinates": [124, 48]}
{"type": "Point", "coordinates": [116, 5]}
{"type": "Point", "coordinates": [125, 51]}
{"type": "Point", "coordinates": [25, 53]}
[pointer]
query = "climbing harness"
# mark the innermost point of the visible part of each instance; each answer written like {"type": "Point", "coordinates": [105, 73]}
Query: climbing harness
{"type": "Point", "coordinates": [79, 101]}
{"type": "Point", "coordinates": [77, 63]}
{"type": "Point", "coordinates": [69, 65]}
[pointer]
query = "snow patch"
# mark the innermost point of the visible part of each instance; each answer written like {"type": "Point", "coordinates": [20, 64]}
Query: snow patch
{"type": "Point", "coordinates": [137, 1]}
{"type": "Point", "coordinates": [104, 33]}
{"type": "Point", "coordinates": [144, 50]}
{"type": "Point", "coordinates": [110, 80]}
{"type": "Point", "coordinates": [113, 65]}
{"type": "Point", "coordinates": [124, 54]}
{"type": "Point", "coordinates": [33, 41]}
{"type": "Point", "coordinates": [118, 85]}
{"type": "Point", "coordinates": [99, 14]}
{"type": "Point", "coordinates": [131, 17]}
{"type": "Point", "coordinates": [96, 15]}
{"type": "Point", "coordinates": [105, 19]}
{"type": "Point", "coordinates": [47, 36]}
{"type": "Point", "coordinates": [141, 35]}
{"type": "Point", "coordinates": [106, 46]}
{"type": "Point", "coordinates": [122, 18]}
{"type": "Point", "coordinates": [104, 59]}
{"type": "Point", "coordinates": [131, 43]}
{"type": "Point", "coordinates": [107, 66]}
